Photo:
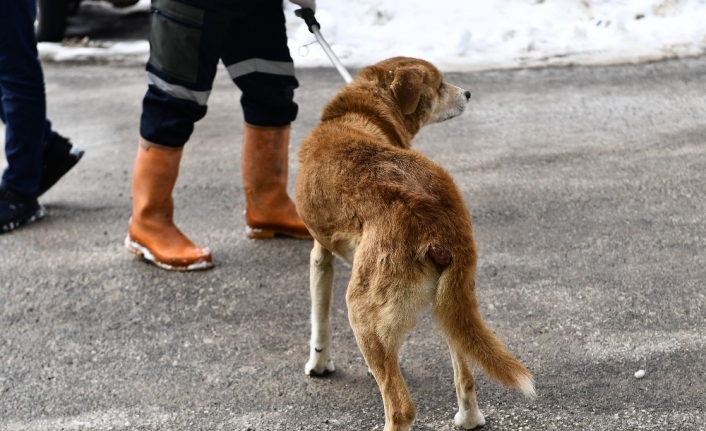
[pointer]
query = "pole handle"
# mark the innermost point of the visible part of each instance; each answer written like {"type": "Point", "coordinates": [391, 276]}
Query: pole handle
{"type": "Point", "coordinates": [309, 18]}
{"type": "Point", "coordinates": [314, 27]}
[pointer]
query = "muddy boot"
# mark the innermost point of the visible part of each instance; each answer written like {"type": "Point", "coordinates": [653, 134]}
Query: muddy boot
{"type": "Point", "coordinates": [268, 208]}
{"type": "Point", "coordinates": [152, 233]}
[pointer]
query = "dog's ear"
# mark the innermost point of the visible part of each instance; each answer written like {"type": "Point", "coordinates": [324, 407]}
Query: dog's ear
{"type": "Point", "coordinates": [371, 73]}
{"type": "Point", "coordinates": [407, 87]}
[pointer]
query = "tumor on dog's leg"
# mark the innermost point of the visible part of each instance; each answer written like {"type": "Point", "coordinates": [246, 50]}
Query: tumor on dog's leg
{"type": "Point", "coordinates": [440, 255]}
{"type": "Point", "coordinates": [321, 289]}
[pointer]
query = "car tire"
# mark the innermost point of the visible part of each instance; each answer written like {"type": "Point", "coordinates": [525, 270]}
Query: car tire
{"type": "Point", "coordinates": [51, 20]}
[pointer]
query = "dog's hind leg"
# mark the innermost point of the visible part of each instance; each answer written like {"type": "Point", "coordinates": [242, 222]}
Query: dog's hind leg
{"type": "Point", "coordinates": [468, 415]}
{"type": "Point", "coordinates": [382, 359]}
{"type": "Point", "coordinates": [456, 311]}
{"type": "Point", "coordinates": [381, 308]}
{"type": "Point", "coordinates": [321, 288]}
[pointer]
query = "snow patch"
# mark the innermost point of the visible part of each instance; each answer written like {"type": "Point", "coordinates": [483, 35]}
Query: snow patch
{"type": "Point", "coordinates": [462, 35]}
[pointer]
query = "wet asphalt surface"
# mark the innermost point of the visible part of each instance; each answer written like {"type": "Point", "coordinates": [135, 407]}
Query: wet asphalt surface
{"type": "Point", "coordinates": [587, 188]}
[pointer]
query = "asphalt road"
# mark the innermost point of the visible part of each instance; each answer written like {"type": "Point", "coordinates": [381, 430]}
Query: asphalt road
{"type": "Point", "coordinates": [587, 188]}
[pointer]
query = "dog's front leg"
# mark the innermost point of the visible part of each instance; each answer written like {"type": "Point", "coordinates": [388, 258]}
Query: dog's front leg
{"type": "Point", "coordinates": [321, 287]}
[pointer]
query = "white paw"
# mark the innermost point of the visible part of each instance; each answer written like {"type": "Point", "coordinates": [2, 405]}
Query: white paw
{"type": "Point", "coordinates": [319, 364]}
{"type": "Point", "coordinates": [469, 419]}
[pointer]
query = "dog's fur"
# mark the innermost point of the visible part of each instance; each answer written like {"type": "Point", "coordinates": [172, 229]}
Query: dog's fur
{"type": "Point", "coordinates": [401, 222]}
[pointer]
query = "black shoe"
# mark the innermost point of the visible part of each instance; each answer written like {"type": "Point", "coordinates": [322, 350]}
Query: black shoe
{"type": "Point", "coordinates": [60, 156]}
{"type": "Point", "coordinates": [16, 210]}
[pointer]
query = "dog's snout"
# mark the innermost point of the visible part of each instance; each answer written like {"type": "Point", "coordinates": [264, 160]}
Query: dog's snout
{"type": "Point", "coordinates": [467, 94]}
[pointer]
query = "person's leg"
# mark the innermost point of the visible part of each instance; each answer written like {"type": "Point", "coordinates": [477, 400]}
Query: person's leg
{"type": "Point", "coordinates": [180, 73]}
{"type": "Point", "coordinates": [23, 97]}
{"type": "Point", "coordinates": [59, 155]}
{"type": "Point", "coordinates": [24, 113]}
{"type": "Point", "coordinates": [37, 156]}
{"type": "Point", "coordinates": [258, 61]}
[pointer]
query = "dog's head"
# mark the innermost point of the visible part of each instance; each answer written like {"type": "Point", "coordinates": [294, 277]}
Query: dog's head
{"type": "Point", "coordinates": [418, 89]}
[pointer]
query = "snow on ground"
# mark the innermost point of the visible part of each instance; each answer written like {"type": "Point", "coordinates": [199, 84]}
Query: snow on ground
{"type": "Point", "coordinates": [471, 34]}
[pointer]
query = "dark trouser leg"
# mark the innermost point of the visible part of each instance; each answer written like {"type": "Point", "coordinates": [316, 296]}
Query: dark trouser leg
{"type": "Point", "coordinates": [180, 72]}
{"type": "Point", "coordinates": [184, 54]}
{"type": "Point", "coordinates": [264, 71]}
{"type": "Point", "coordinates": [23, 97]}
{"type": "Point", "coordinates": [262, 67]}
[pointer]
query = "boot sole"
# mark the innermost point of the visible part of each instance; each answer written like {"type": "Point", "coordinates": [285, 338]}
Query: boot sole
{"type": "Point", "coordinates": [31, 219]}
{"type": "Point", "coordinates": [144, 253]}
{"type": "Point", "coordinates": [271, 234]}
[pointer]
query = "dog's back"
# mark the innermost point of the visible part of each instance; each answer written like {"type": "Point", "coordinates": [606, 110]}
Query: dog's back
{"type": "Point", "coordinates": [400, 220]}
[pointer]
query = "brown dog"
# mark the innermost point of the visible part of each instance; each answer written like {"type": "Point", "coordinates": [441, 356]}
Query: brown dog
{"type": "Point", "coordinates": [400, 221]}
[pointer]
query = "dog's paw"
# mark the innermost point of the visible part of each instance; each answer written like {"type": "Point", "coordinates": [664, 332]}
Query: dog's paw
{"type": "Point", "coordinates": [319, 371]}
{"type": "Point", "coordinates": [324, 373]}
{"type": "Point", "coordinates": [320, 364]}
{"type": "Point", "coordinates": [469, 419]}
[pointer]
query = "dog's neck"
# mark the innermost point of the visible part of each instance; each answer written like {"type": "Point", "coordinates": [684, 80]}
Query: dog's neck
{"type": "Point", "coordinates": [354, 105]}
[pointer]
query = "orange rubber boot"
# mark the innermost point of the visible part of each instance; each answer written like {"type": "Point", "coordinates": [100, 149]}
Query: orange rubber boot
{"type": "Point", "coordinates": [152, 233]}
{"type": "Point", "coordinates": [268, 208]}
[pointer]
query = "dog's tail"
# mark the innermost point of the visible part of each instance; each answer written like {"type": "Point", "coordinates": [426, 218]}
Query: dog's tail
{"type": "Point", "coordinates": [456, 311]}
